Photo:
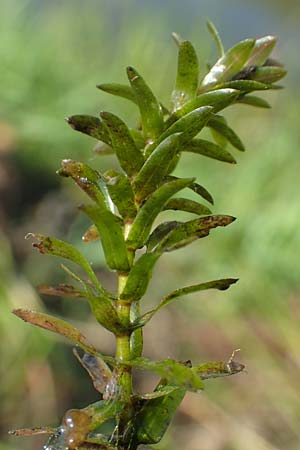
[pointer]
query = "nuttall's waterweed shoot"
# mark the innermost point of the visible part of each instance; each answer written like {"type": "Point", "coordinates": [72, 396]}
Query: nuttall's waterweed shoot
{"type": "Point", "coordinates": [124, 205]}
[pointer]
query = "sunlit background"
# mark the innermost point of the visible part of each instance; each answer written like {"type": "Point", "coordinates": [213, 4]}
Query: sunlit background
{"type": "Point", "coordinates": [52, 54]}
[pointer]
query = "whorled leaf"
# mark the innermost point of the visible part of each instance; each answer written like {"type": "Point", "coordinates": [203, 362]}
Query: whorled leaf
{"type": "Point", "coordinates": [110, 230]}
{"type": "Point", "coordinates": [92, 126]}
{"type": "Point", "coordinates": [262, 49]}
{"type": "Point", "coordinates": [214, 32]}
{"type": "Point", "coordinates": [187, 75]}
{"type": "Point", "coordinates": [197, 188]}
{"type": "Point", "coordinates": [62, 290]}
{"type": "Point", "coordinates": [105, 313]}
{"type": "Point", "coordinates": [159, 233]}
{"type": "Point", "coordinates": [218, 124]}
{"type": "Point", "coordinates": [217, 369]}
{"type": "Point", "coordinates": [150, 109]}
{"type": "Point", "coordinates": [187, 205]}
{"type": "Point", "coordinates": [252, 100]}
{"type": "Point", "coordinates": [143, 222]}
{"type": "Point", "coordinates": [136, 337]}
{"type": "Point", "coordinates": [121, 193]}
{"type": "Point", "coordinates": [120, 90]}
{"type": "Point", "coordinates": [244, 85]}
{"type": "Point", "coordinates": [129, 156]}
{"type": "Point", "coordinates": [209, 149]}
{"type": "Point", "coordinates": [268, 74]}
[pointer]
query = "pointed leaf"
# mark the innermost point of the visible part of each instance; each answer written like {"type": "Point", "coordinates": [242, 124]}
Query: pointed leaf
{"type": "Point", "coordinates": [229, 64]}
{"type": "Point", "coordinates": [187, 75]}
{"type": "Point", "coordinates": [268, 74]}
{"type": "Point", "coordinates": [121, 193]}
{"type": "Point", "coordinates": [197, 188]}
{"type": "Point", "coordinates": [185, 204]}
{"type": "Point", "coordinates": [57, 326]}
{"type": "Point", "coordinates": [218, 99]}
{"type": "Point", "coordinates": [56, 247]}
{"type": "Point", "coordinates": [187, 232]}
{"type": "Point", "coordinates": [253, 101]}
{"type": "Point", "coordinates": [221, 127]}
{"type": "Point", "coordinates": [143, 222]}
{"type": "Point", "coordinates": [214, 32]}
{"type": "Point", "coordinates": [110, 231]}
{"type": "Point", "coordinates": [62, 290]}
{"type": "Point", "coordinates": [120, 90]}
{"type": "Point", "coordinates": [129, 156]}
{"type": "Point", "coordinates": [139, 277]}
{"type": "Point", "coordinates": [261, 50]}
{"type": "Point", "coordinates": [243, 85]}
{"type": "Point", "coordinates": [209, 149]}
{"type": "Point", "coordinates": [92, 126]}
{"type": "Point", "coordinates": [156, 167]}
{"type": "Point", "coordinates": [97, 369]}
{"type": "Point", "coordinates": [91, 234]}
{"type": "Point", "coordinates": [216, 369]}
{"type": "Point", "coordinates": [159, 233]}
{"type": "Point", "coordinates": [150, 109]}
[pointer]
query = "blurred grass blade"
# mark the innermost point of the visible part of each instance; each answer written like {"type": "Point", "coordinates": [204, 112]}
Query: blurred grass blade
{"type": "Point", "coordinates": [56, 247]}
{"type": "Point", "coordinates": [188, 232]}
{"type": "Point", "coordinates": [120, 90]}
{"type": "Point", "coordinates": [229, 64]}
{"type": "Point", "coordinates": [92, 126]}
{"type": "Point", "coordinates": [187, 75]}
{"type": "Point", "coordinates": [185, 204]}
{"type": "Point", "coordinates": [209, 149]}
{"type": "Point", "coordinates": [129, 156]}
{"type": "Point", "coordinates": [121, 193]}
{"type": "Point", "coordinates": [261, 50]}
{"type": "Point", "coordinates": [218, 124]}
{"type": "Point", "coordinates": [139, 277]}
{"type": "Point", "coordinates": [91, 234]}
{"type": "Point", "coordinates": [214, 32]}
{"type": "Point", "coordinates": [97, 369]}
{"type": "Point", "coordinates": [110, 230]}
{"type": "Point", "coordinates": [150, 109]}
{"type": "Point", "coordinates": [62, 290]}
{"type": "Point", "coordinates": [253, 101]}
{"type": "Point", "coordinates": [143, 222]}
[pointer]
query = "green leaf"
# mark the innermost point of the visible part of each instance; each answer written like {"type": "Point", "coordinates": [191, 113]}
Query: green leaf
{"type": "Point", "coordinates": [189, 231]}
{"type": "Point", "coordinates": [105, 313]}
{"type": "Point", "coordinates": [214, 32]}
{"type": "Point", "coordinates": [253, 101]}
{"type": "Point", "coordinates": [197, 188]}
{"type": "Point", "coordinates": [175, 372]}
{"type": "Point", "coordinates": [188, 126]}
{"type": "Point", "coordinates": [244, 85]}
{"type": "Point", "coordinates": [261, 50]}
{"type": "Point", "coordinates": [156, 167]}
{"type": "Point", "coordinates": [216, 369]}
{"type": "Point", "coordinates": [91, 234]}
{"type": "Point", "coordinates": [160, 232]}
{"type": "Point", "coordinates": [120, 90]}
{"type": "Point", "coordinates": [229, 64]}
{"type": "Point", "coordinates": [57, 326]}
{"type": "Point", "coordinates": [143, 222]}
{"type": "Point", "coordinates": [209, 149]}
{"type": "Point", "coordinates": [129, 156]}
{"type": "Point", "coordinates": [221, 127]}
{"type": "Point", "coordinates": [56, 247]}
{"type": "Point", "coordinates": [92, 126]}
{"type": "Point", "coordinates": [62, 290]}
{"type": "Point", "coordinates": [268, 74]}
{"type": "Point", "coordinates": [218, 99]}
{"type": "Point", "coordinates": [185, 204]}
{"type": "Point", "coordinates": [136, 337]}
{"type": "Point", "coordinates": [139, 277]}
{"type": "Point", "coordinates": [103, 149]}
{"type": "Point", "coordinates": [110, 231]}
{"type": "Point", "coordinates": [121, 193]}
{"type": "Point", "coordinates": [187, 75]}
{"type": "Point", "coordinates": [150, 109]}
{"type": "Point", "coordinates": [97, 369]}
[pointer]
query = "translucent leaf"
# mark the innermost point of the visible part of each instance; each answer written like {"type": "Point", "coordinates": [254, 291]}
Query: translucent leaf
{"type": "Point", "coordinates": [261, 50]}
{"type": "Point", "coordinates": [121, 193]}
{"type": "Point", "coordinates": [268, 74]}
{"type": "Point", "coordinates": [97, 369]}
{"type": "Point", "coordinates": [56, 247]}
{"type": "Point", "coordinates": [209, 149]}
{"type": "Point", "coordinates": [187, 75]}
{"type": "Point", "coordinates": [214, 32]}
{"type": "Point", "coordinates": [91, 234]}
{"type": "Point", "coordinates": [32, 431]}
{"type": "Point", "coordinates": [120, 90]}
{"type": "Point", "coordinates": [185, 204]}
{"type": "Point", "coordinates": [129, 156]}
{"type": "Point", "coordinates": [92, 126]}
{"type": "Point", "coordinates": [62, 290]}
{"type": "Point", "coordinates": [159, 393]}
{"type": "Point", "coordinates": [253, 101]}
{"type": "Point", "coordinates": [160, 232]}
{"type": "Point", "coordinates": [150, 109]}
{"type": "Point", "coordinates": [189, 231]}
{"type": "Point", "coordinates": [139, 277]}
{"type": "Point", "coordinates": [229, 64]}
{"type": "Point", "coordinates": [143, 222]}
{"type": "Point", "coordinates": [110, 230]}
{"type": "Point", "coordinates": [105, 313]}
{"type": "Point", "coordinates": [218, 369]}
{"type": "Point", "coordinates": [221, 127]}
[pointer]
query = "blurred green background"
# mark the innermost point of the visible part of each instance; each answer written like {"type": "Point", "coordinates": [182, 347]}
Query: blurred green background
{"type": "Point", "coordinates": [52, 54]}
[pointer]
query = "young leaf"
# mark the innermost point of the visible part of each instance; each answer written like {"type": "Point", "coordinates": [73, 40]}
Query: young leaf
{"type": "Point", "coordinates": [185, 204]}
{"type": "Point", "coordinates": [120, 90]}
{"type": "Point", "coordinates": [261, 50]}
{"type": "Point", "coordinates": [62, 290]}
{"type": "Point", "coordinates": [209, 149]}
{"type": "Point", "coordinates": [221, 127]}
{"type": "Point", "coordinates": [110, 230]}
{"type": "Point", "coordinates": [92, 126]}
{"type": "Point", "coordinates": [142, 224]}
{"type": "Point", "coordinates": [56, 247]}
{"type": "Point", "coordinates": [121, 193]}
{"type": "Point", "coordinates": [187, 232]}
{"type": "Point", "coordinates": [229, 64]}
{"type": "Point", "coordinates": [139, 277]}
{"type": "Point", "coordinates": [159, 233]}
{"type": "Point", "coordinates": [253, 101]}
{"type": "Point", "coordinates": [214, 32]}
{"type": "Point", "coordinates": [150, 109]}
{"type": "Point", "coordinates": [129, 156]}
{"type": "Point", "coordinates": [187, 75]}
{"type": "Point", "coordinates": [97, 369]}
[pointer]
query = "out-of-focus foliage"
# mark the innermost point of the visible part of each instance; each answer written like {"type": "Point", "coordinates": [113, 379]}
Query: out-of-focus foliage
{"type": "Point", "coordinates": [52, 56]}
